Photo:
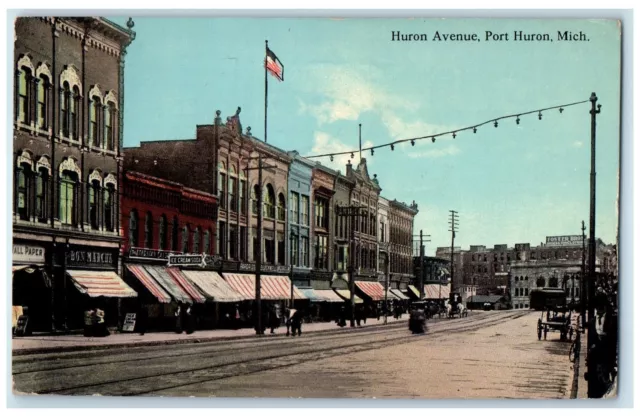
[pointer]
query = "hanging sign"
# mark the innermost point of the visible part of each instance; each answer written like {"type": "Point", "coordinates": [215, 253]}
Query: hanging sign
{"type": "Point", "coordinates": [28, 254]}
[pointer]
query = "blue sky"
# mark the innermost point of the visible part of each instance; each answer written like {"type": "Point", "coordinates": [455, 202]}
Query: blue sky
{"type": "Point", "coordinates": [511, 184]}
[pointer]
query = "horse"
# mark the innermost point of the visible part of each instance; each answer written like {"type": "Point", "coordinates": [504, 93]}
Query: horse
{"type": "Point", "coordinates": [450, 311]}
{"type": "Point", "coordinates": [462, 310]}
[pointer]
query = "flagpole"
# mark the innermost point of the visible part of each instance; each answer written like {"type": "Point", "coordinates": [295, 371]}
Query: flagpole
{"type": "Point", "coordinates": [266, 88]}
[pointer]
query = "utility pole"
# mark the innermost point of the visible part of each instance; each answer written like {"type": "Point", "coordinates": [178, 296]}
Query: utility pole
{"type": "Point", "coordinates": [421, 281]}
{"type": "Point", "coordinates": [453, 227]}
{"type": "Point", "coordinates": [352, 213]}
{"type": "Point", "coordinates": [591, 337]}
{"type": "Point", "coordinates": [583, 282]}
{"type": "Point", "coordinates": [386, 285]}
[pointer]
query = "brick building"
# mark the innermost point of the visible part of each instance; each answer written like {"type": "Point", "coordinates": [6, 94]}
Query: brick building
{"type": "Point", "coordinates": [401, 217]}
{"type": "Point", "coordinates": [323, 230]}
{"type": "Point", "coordinates": [68, 89]}
{"type": "Point", "coordinates": [458, 279]}
{"type": "Point", "coordinates": [383, 237]}
{"type": "Point", "coordinates": [342, 234]}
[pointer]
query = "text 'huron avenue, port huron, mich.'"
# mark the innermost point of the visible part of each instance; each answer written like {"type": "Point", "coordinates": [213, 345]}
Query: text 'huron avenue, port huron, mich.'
{"type": "Point", "coordinates": [491, 36]}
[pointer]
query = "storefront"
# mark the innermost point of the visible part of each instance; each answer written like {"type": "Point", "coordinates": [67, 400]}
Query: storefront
{"type": "Point", "coordinates": [32, 291]}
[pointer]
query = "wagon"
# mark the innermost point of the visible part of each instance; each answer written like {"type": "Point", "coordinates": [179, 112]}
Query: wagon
{"type": "Point", "coordinates": [417, 317]}
{"type": "Point", "coordinates": [556, 319]}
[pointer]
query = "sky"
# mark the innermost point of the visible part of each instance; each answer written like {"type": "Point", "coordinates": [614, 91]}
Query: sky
{"type": "Point", "coordinates": [511, 184]}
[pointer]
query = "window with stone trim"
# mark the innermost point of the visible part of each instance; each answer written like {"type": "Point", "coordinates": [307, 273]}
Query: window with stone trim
{"type": "Point", "coordinates": [23, 190]}
{"type": "Point", "coordinates": [94, 123]}
{"type": "Point", "coordinates": [148, 231]}
{"type": "Point", "coordinates": [68, 197]}
{"type": "Point", "coordinates": [109, 131]}
{"type": "Point", "coordinates": [282, 209]}
{"type": "Point", "coordinates": [42, 195]}
{"type": "Point", "coordinates": [133, 228]}
{"type": "Point", "coordinates": [43, 102]}
{"type": "Point", "coordinates": [162, 233]}
{"type": "Point", "coordinates": [185, 239]}
{"type": "Point", "coordinates": [174, 233]}
{"type": "Point", "coordinates": [196, 240]}
{"type": "Point", "coordinates": [25, 75]}
{"type": "Point", "coordinates": [94, 203]}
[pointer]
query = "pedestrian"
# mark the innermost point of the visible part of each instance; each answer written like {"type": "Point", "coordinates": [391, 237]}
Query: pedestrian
{"type": "Point", "coordinates": [189, 319]}
{"type": "Point", "coordinates": [141, 319]}
{"type": "Point", "coordinates": [342, 317]}
{"type": "Point", "coordinates": [287, 319]}
{"type": "Point", "coordinates": [236, 323]}
{"type": "Point", "coordinates": [88, 322]}
{"type": "Point", "coordinates": [179, 318]}
{"type": "Point", "coordinates": [101, 326]}
{"type": "Point", "coordinates": [296, 323]}
{"type": "Point", "coordinates": [358, 315]}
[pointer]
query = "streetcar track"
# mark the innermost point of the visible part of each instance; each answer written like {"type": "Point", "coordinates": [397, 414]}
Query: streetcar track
{"type": "Point", "coordinates": [475, 324]}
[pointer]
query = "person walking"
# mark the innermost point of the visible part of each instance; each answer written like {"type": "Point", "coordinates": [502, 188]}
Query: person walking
{"type": "Point", "coordinates": [179, 318]}
{"type": "Point", "coordinates": [141, 319]}
{"type": "Point", "coordinates": [296, 323]}
{"type": "Point", "coordinates": [342, 317]}
{"type": "Point", "coordinates": [189, 319]}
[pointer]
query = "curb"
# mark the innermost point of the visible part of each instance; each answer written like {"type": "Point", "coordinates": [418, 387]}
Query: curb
{"type": "Point", "coordinates": [221, 339]}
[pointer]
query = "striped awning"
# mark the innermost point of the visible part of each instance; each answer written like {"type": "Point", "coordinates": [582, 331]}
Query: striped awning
{"type": "Point", "coordinates": [436, 291]}
{"type": "Point", "coordinates": [149, 283]}
{"type": "Point", "coordinates": [345, 294]}
{"type": "Point", "coordinates": [214, 287]}
{"type": "Point", "coordinates": [329, 296]}
{"type": "Point", "coordinates": [272, 287]}
{"type": "Point", "coordinates": [372, 289]}
{"type": "Point", "coordinates": [446, 291]}
{"type": "Point", "coordinates": [101, 284]}
{"type": "Point", "coordinates": [15, 268]}
{"type": "Point", "coordinates": [399, 294]}
{"type": "Point", "coordinates": [162, 276]}
{"type": "Point", "coordinates": [186, 285]}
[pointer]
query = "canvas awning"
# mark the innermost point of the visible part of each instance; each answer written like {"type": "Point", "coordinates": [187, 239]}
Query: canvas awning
{"type": "Point", "coordinates": [329, 296]}
{"type": "Point", "coordinates": [399, 294]}
{"type": "Point", "coordinates": [273, 287]}
{"type": "Point", "coordinates": [414, 291]}
{"type": "Point", "coordinates": [311, 295]}
{"type": "Point", "coordinates": [372, 289]}
{"type": "Point", "coordinates": [446, 291]}
{"type": "Point", "coordinates": [391, 296]}
{"type": "Point", "coordinates": [15, 268]}
{"type": "Point", "coordinates": [149, 283]}
{"type": "Point", "coordinates": [101, 284]}
{"type": "Point", "coordinates": [345, 294]}
{"type": "Point", "coordinates": [436, 291]}
{"type": "Point", "coordinates": [186, 285]}
{"type": "Point", "coordinates": [214, 287]}
{"type": "Point", "coordinates": [161, 275]}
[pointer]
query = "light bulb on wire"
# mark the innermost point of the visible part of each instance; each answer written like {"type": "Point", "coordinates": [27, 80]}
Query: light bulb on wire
{"type": "Point", "coordinates": [539, 115]}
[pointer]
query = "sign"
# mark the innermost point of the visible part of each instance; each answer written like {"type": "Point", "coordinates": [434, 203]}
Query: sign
{"type": "Point", "coordinates": [28, 254]}
{"type": "Point", "coordinates": [90, 258]}
{"type": "Point", "coordinates": [129, 322]}
{"type": "Point", "coordinates": [21, 326]}
{"type": "Point", "coordinates": [186, 260]}
{"type": "Point", "coordinates": [141, 253]}
{"type": "Point", "coordinates": [564, 241]}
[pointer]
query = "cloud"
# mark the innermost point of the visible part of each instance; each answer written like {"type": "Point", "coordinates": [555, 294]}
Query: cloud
{"type": "Point", "coordinates": [435, 153]}
{"type": "Point", "coordinates": [578, 144]}
{"type": "Point", "coordinates": [325, 143]}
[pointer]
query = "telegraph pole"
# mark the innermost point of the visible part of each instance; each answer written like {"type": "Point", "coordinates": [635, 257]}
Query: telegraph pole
{"type": "Point", "coordinates": [421, 281]}
{"type": "Point", "coordinates": [591, 365]}
{"type": "Point", "coordinates": [453, 227]}
{"type": "Point", "coordinates": [352, 213]}
{"type": "Point", "coordinates": [583, 282]}
{"type": "Point", "coordinates": [386, 285]}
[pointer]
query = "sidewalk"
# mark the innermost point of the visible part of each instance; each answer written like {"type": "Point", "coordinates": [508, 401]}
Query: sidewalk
{"type": "Point", "coordinates": [68, 343]}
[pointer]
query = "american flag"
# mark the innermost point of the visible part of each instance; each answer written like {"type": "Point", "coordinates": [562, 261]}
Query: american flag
{"type": "Point", "coordinates": [273, 65]}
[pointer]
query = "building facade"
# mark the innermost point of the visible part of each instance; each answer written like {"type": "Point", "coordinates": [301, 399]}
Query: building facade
{"type": "Point", "coordinates": [323, 180]}
{"type": "Point", "coordinates": [401, 218]}
{"type": "Point", "coordinates": [342, 234]}
{"type": "Point", "coordinates": [68, 85]}
{"type": "Point", "coordinates": [444, 253]}
{"type": "Point", "coordinates": [383, 237]}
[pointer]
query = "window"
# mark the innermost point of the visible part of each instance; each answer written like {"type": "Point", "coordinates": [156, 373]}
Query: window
{"type": "Point", "coordinates": [185, 239]}
{"type": "Point", "coordinates": [304, 251]}
{"type": "Point", "coordinates": [24, 77]}
{"type": "Point", "coordinates": [133, 229]}
{"type": "Point", "coordinates": [42, 102]}
{"type": "Point", "coordinates": [304, 210]}
{"type": "Point", "coordinates": [68, 191]}
{"type": "Point", "coordinates": [243, 194]}
{"type": "Point", "coordinates": [42, 193]}
{"type": "Point", "coordinates": [109, 118]}
{"type": "Point", "coordinates": [162, 233]}
{"type": "Point", "coordinates": [233, 242]}
{"type": "Point", "coordinates": [233, 202]}
{"type": "Point", "coordinates": [269, 203]}
{"type": "Point", "coordinates": [75, 105]}
{"type": "Point", "coordinates": [109, 193]}
{"type": "Point", "coordinates": [320, 260]}
{"type": "Point", "coordinates": [94, 193]}
{"type": "Point", "coordinates": [222, 185]}
{"type": "Point", "coordinates": [196, 240]}
{"type": "Point", "coordinates": [540, 282]}
{"type": "Point", "coordinates": [254, 199]}
{"type": "Point", "coordinates": [174, 234]}
{"type": "Point", "coordinates": [281, 249]}
{"type": "Point", "coordinates": [281, 207]}
{"type": "Point", "coordinates": [65, 107]}
{"type": "Point", "coordinates": [293, 256]}
{"type": "Point", "coordinates": [94, 111]}
{"type": "Point", "coordinates": [321, 213]}
{"type": "Point", "coordinates": [270, 251]}
{"type": "Point", "coordinates": [148, 231]}
{"type": "Point", "coordinates": [381, 231]}
{"type": "Point", "coordinates": [222, 246]}
{"type": "Point", "coordinates": [553, 282]}
{"type": "Point", "coordinates": [342, 258]}
{"type": "Point", "coordinates": [243, 243]}
{"type": "Point", "coordinates": [293, 206]}
{"type": "Point", "coordinates": [526, 291]}
{"type": "Point", "coordinates": [206, 244]}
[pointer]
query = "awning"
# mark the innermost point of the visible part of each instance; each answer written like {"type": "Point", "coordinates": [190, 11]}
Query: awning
{"type": "Point", "coordinates": [101, 284]}
{"type": "Point", "coordinates": [436, 291]}
{"type": "Point", "coordinates": [149, 283]}
{"type": "Point", "coordinates": [311, 295]}
{"type": "Point", "coordinates": [414, 291]}
{"type": "Point", "coordinates": [15, 268]}
{"type": "Point", "coordinates": [273, 287]}
{"type": "Point", "coordinates": [186, 285]}
{"type": "Point", "coordinates": [391, 296]}
{"type": "Point", "coordinates": [329, 296]}
{"type": "Point", "coordinates": [399, 294]}
{"type": "Point", "coordinates": [214, 287]}
{"type": "Point", "coordinates": [446, 291]}
{"type": "Point", "coordinates": [160, 274]}
{"type": "Point", "coordinates": [345, 294]}
{"type": "Point", "coordinates": [374, 290]}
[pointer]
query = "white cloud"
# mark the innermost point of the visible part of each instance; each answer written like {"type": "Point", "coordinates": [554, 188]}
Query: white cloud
{"type": "Point", "coordinates": [578, 144]}
{"type": "Point", "coordinates": [435, 153]}
{"type": "Point", "coordinates": [324, 143]}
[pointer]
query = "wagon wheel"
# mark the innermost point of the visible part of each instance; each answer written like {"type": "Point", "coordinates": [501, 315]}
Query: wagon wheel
{"type": "Point", "coordinates": [546, 330]}
{"type": "Point", "coordinates": [539, 329]}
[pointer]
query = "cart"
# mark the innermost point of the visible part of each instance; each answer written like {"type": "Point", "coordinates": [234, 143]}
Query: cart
{"type": "Point", "coordinates": [556, 319]}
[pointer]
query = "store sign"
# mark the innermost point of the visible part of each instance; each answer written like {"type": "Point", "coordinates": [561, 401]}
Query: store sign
{"type": "Point", "coordinates": [90, 258]}
{"type": "Point", "coordinates": [278, 269]}
{"type": "Point", "coordinates": [564, 241]}
{"type": "Point", "coordinates": [141, 253]}
{"type": "Point", "coordinates": [28, 254]}
{"type": "Point", "coordinates": [186, 260]}
{"type": "Point", "coordinates": [129, 322]}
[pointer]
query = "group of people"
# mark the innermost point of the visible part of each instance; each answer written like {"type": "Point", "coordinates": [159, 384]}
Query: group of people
{"type": "Point", "coordinates": [94, 324]}
{"type": "Point", "coordinates": [362, 312]}
{"type": "Point", "coordinates": [185, 321]}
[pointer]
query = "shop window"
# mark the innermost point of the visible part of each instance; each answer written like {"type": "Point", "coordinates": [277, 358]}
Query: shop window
{"type": "Point", "coordinates": [133, 229]}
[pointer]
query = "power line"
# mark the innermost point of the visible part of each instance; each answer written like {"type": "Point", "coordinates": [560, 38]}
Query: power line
{"type": "Point", "coordinates": [454, 133]}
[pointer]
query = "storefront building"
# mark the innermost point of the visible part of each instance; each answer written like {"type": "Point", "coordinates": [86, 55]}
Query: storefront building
{"type": "Point", "coordinates": [323, 181]}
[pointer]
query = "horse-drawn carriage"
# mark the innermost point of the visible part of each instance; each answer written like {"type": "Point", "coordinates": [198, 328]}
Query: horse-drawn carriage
{"type": "Point", "coordinates": [418, 317]}
{"type": "Point", "coordinates": [558, 319]}
{"type": "Point", "coordinates": [456, 310]}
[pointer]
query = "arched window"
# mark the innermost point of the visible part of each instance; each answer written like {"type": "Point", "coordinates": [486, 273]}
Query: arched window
{"type": "Point", "coordinates": [23, 185]}
{"type": "Point", "coordinates": [43, 100]}
{"type": "Point", "coordinates": [25, 75]}
{"type": "Point", "coordinates": [282, 209]}
{"type": "Point", "coordinates": [162, 233]}
{"type": "Point", "coordinates": [233, 181]}
{"type": "Point", "coordinates": [222, 185]}
{"type": "Point", "coordinates": [109, 210]}
{"type": "Point", "coordinates": [269, 204]}
{"type": "Point", "coordinates": [207, 242]}
{"type": "Point", "coordinates": [133, 229]}
{"type": "Point", "coordinates": [68, 197]}
{"type": "Point", "coordinates": [109, 132]}
{"type": "Point", "coordinates": [94, 112]}
{"type": "Point", "coordinates": [94, 193]}
{"type": "Point", "coordinates": [243, 193]}
{"type": "Point", "coordinates": [73, 111]}
{"type": "Point", "coordinates": [65, 108]}
{"type": "Point", "coordinates": [148, 231]}
{"type": "Point", "coordinates": [196, 240]}
{"type": "Point", "coordinates": [174, 234]}
{"type": "Point", "coordinates": [540, 282]}
{"type": "Point", "coordinates": [185, 239]}
{"type": "Point", "coordinates": [254, 199]}
{"type": "Point", "coordinates": [42, 194]}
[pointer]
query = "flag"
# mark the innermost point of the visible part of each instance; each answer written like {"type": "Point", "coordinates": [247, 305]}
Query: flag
{"type": "Point", "coordinates": [273, 65]}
